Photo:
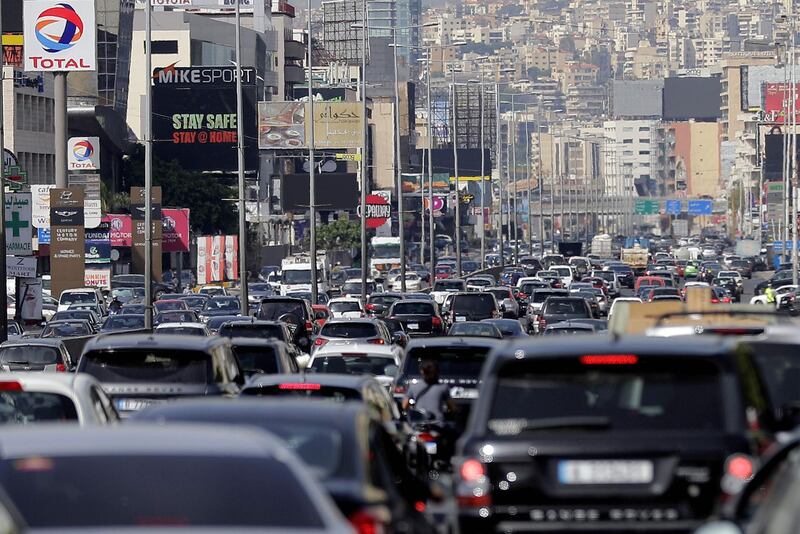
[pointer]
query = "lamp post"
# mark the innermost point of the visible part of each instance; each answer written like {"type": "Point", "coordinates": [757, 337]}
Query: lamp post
{"type": "Point", "coordinates": [455, 169]}
{"type": "Point", "coordinates": [312, 186]}
{"type": "Point", "coordinates": [364, 152]}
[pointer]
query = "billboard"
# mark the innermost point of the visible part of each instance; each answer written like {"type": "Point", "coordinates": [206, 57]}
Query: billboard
{"type": "Point", "coordinates": [335, 191]}
{"type": "Point", "coordinates": [194, 117]}
{"type": "Point", "coordinates": [338, 125]}
{"type": "Point", "coordinates": [60, 36]}
{"type": "Point", "coordinates": [777, 97]}
{"type": "Point", "coordinates": [67, 236]}
{"type": "Point", "coordinates": [281, 125]}
{"type": "Point", "coordinates": [97, 246]}
{"type": "Point", "coordinates": [83, 153]}
{"type": "Point", "coordinates": [217, 258]}
{"type": "Point", "coordinates": [175, 230]}
{"type": "Point", "coordinates": [120, 229]}
{"type": "Point", "coordinates": [692, 98]}
{"type": "Point", "coordinates": [13, 51]}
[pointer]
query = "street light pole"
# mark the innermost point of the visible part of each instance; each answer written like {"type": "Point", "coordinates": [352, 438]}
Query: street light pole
{"type": "Point", "coordinates": [539, 179]}
{"type": "Point", "coordinates": [148, 171]}
{"type": "Point", "coordinates": [430, 164]}
{"type": "Point", "coordinates": [244, 305]}
{"type": "Point", "coordinates": [312, 186]}
{"type": "Point", "coordinates": [528, 175]}
{"type": "Point", "coordinates": [3, 294]}
{"type": "Point", "coordinates": [483, 186]}
{"type": "Point", "coordinates": [513, 141]}
{"type": "Point", "coordinates": [499, 172]}
{"type": "Point", "coordinates": [364, 153]}
{"type": "Point", "coordinates": [398, 176]}
{"type": "Point", "coordinates": [455, 168]}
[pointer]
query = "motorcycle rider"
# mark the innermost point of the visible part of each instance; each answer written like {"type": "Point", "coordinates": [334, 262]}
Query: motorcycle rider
{"type": "Point", "coordinates": [432, 398]}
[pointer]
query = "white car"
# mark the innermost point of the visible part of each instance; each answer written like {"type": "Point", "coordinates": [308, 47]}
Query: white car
{"type": "Point", "coordinates": [339, 357]}
{"type": "Point", "coordinates": [346, 307]}
{"type": "Point", "coordinates": [83, 295]}
{"type": "Point", "coordinates": [184, 329]}
{"type": "Point", "coordinates": [480, 281]}
{"type": "Point", "coordinates": [352, 287]}
{"type": "Point", "coordinates": [621, 301]}
{"type": "Point", "coordinates": [213, 291]}
{"type": "Point", "coordinates": [55, 397]}
{"type": "Point", "coordinates": [414, 282]}
{"type": "Point", "coordinates": [565, 273]}
{"type": "Point", "coordinates": [442, 288]}
{"type": "Point", "coordinates": [780, 293]}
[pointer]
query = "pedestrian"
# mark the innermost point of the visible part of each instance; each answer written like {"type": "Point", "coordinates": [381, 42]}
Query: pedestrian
{"type": "Point", "coordinates": [770, 294]}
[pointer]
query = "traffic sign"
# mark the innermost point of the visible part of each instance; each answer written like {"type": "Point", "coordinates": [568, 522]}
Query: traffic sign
{"type": "Point", "coordinates": [378, 211]}
{"type": "Point", "coordinates": [646, 207]}
{"type": "Point", "coordinates": [19, 233]}
{"type": "Point", "coordinates": [699, 207]}
{"type": "Point", "coordinates": [673, 207]}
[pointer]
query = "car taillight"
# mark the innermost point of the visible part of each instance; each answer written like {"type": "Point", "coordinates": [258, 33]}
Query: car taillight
{"type": "Point", "coordinates": [377, 341]}
{"type": "Point", "coordinates": [426, 437]}
{"type": "Point", "coordinates": [542, 323]}
{"type": "Point", "coordinates": [366, 523]}
{"type": "Point", "coordinates": [739, 469]}
{"type": "Point", "coordinates": [61, 368]}
{"type": "Point", "coordinates": [472, 488]}
{"type": "Point", "coordinates": [609, 359]}
{"type": "Point", "coordinates": [522, 295]}
{"type": "Point", "coordinates": [10, 386]}
{"type": "Point", "coordinates": [436, 322]}
{"type": "Point", "coordinates": [309, 326]}
{"type": "Point", "coordinates": [299, 386]}
{"type": "Point", "coordinates": [319, 342]}
{"type": "Point", "coordinates": [371, 307]}
{"type": "Point", "coordinates": [400, 390]}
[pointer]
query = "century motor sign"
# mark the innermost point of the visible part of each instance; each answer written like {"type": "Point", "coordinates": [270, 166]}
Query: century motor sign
{"type": "Point", "coordinates": [60, 36]}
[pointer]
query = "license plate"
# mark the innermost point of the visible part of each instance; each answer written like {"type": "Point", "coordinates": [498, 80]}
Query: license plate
{"type": "Point", "coordinates": [461, 319]}
{"type": "Point", "coordinates": [413, 326]}
{"type": "Point", "coordinates": [605, 472]}
{"type": "Point", "coordinates": [133, 405]}
{"type": "Point", "coordinates": [430, 447]}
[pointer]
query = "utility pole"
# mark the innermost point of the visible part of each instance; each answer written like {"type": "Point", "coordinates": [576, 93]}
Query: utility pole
{"type": "Point", "coordinates": [499, 172]}
{"type": "Point", "coordinates": [245, 305]}
{"type": "Point", "coordinates": [539, 181]}
{"type": "Point", "coordinates": [398, 176]}
{"type": "Point", "coordinates": [148, 168]}
{"type": "Point", "coordinates": [454, 138]}
{"type": "Point", "coordinates": [3, 294]}
{"type": "Point", "coordinates": [483, 185]}
{"type": "Point", "coordinates": [430, 164]}
{"type": "Point", "coordinates": [513, 140]}
{"type": "Point", "coordinates": [364, 152]}
{"type": "Point", "coordinates": [312, 164]}
{"type": "Point", "coordinates": [528, 176]}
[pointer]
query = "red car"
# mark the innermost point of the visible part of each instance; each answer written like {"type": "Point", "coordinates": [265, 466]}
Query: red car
{"type": "Point", "coordinates": [443, 272]}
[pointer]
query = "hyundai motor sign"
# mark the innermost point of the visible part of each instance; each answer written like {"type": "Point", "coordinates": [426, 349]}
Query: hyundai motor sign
{"type": "Point", "coordinates": [60, 36]}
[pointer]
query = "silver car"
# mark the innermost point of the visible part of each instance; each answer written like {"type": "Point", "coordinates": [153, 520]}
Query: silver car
{"type": "Point", "coordinates": [30, 398]}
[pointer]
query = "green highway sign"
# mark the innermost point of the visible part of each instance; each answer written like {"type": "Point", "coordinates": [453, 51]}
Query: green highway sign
{"type": "Point", "coordinates": [647, 207]}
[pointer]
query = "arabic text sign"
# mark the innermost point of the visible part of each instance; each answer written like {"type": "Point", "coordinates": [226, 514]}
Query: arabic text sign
{"type": "Point", "coordinates": [338, 125]}
{"type": "Point", "coordinates": [699, 207]}
{"type": "Point", "coordinates": [19, 232]}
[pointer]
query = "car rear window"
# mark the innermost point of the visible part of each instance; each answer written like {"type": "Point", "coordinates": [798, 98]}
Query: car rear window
{"type": "Point", "coordinates": [500, 294]}
{"type": "Point", "coordinates": [413, 308]}
{"type": "Point", "coordinates": [453, 361]}
{"type": "Point", "coordinates": [136, 491]}
{"type": "Point", "coordinates": [341, 307]}
{"type": "Point", "coordinates": [352, 364]}
{"type": "Point", "coordinates": [607, 392]}
{"type": "Point", "coordinates": [273, 310]}
{"type": "Point", "coordinates": [261, 359]}
{"type": "Point", "coordinates": [151, 365]}
{"type": "Point", "coordinates": [385, 299]}
{"type": "Point", "coordinates": [349, 330]}
{"type": "Point", "coordinates": [30, 354]}
{"type": "Point", "coordinates": [448, 285]}
{"type": "Point", "coordinates": [563, 271]}
{"type": "Point", "coordinates": [123, 322]}
{"type": "Point", "coordinates": [25, 407]}
{"type": "Point", "coordinates": [261, 331]}
{"type": "Point", "coordinates": [541, 296]}
{"type": "Point", "coordinates": [474, 303]}
{"type": "Point", "coordinates": [564, 307]}
{"type": "Point", "coordinates": [181, 331]}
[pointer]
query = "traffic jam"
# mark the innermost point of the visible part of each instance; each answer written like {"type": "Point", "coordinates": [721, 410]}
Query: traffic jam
{"type": "Point", "coordinates": [621, 385]}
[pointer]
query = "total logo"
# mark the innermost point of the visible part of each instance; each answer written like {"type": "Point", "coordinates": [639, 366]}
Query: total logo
{"type": "Point", "coordinates": [83, 150]}
{"type": "Point", "coordinates": [59, 29]}
{"type": "Point", "coordinates": [83, 153]}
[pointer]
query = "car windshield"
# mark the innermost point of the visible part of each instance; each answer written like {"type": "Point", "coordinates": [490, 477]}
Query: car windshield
{"type": "Point", "coordinates": [169, 305]}
{"type": "Point", "coordinates": [272, 310]}
{"type": "Point", "coordinates": [385, 300]}
{"type": "Point", "coordinates": [541, 296]}
{"type": "Point", "coordinates": [473, 303]}
{"type": "Point", "coordinates": [83, 298]}
{"type": "Point", "coordinates": [297, 276]}
{"type": "Point", "coordinates": [132, 491]}
{"type": "Point", "coordinates": [30, 354]}
{"type": "Point", "coordinates": [66, 330]}
{"type": "Point", "coordinates": [175, 317]}
{"type": "Point", "coordinates": [195, 302]}
{"type": "Point", "coordinates": [482, 282]}
{"type": "Point", "coordinates": [123, 322]}
{"type": "Point", "coordinates": [260, 288]}
{"type": "Point", "coordinates": [246, 329]}
{"type": "Point", "coordinates": [635, 393]}
{"type": "Point", "coordinates": [148, 365]}
{"type": "Point", "coordinates": [344, 306]}
{"type": "Point", "coordinates": [135, 309]}
{"type": "Point", "coordinates": [564, 330]}
{"type": "Point", "coordinates": [563, 271]}
{"type": "Point", "coordinates": [352, 364]}
{"type": "Point", "coordinates": [499, 294]}
{"type": "Point", "coordinates": [25, 407]}
{"type": "Point", "coordinates": [463, 361]}
{"type": "Point", "coordinates": [448, 285]}
{"type": "Point", "coordinates": [413, 308]}
{"type": "Point", "coordinates": [353, 288]}
{"type": "Point", "coordinates": [349, 330]}
{"type": "Point", "coordinates": [222, 304]}
{"type": "Point", "coordinates": [564, 307]}
{"type": "Point", "coordinates": [181, 331]}
{"type": "Point", "coordinates": [262, 359]}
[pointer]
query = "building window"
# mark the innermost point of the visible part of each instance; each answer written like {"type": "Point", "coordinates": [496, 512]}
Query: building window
{"type": "Point", "coordinates": [163, 47]}
{"type": "Point", "coordinates": [644, 152]}
{"type": "Point", "coordinates": [627, 141]}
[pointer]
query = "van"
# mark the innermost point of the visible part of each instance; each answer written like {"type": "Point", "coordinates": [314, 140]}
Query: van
{"type": "Point", "coordinates": [83, 295]}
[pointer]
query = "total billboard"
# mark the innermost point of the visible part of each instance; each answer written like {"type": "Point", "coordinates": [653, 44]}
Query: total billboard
{"type": "Point", "coordinates": [83, 153]}
{"type": "Point", "coordinates": [59, 36]}
{"type": "Point", "coordinates": [194, 117]}
{"type": "Point", "coordinates": [777, 96]}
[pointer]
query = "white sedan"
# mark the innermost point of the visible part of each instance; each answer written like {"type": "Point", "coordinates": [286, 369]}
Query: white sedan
{"type": "Point", "coordinates": [380, 361]}
{"type": "Point", "coordinates": [346, 307]}
{"type": "Point", "coordinates": [27, 398]}
{"type": "Point", "coordinates": [414, 282]}
{"type": "Point", "coordinates": [780, 293]}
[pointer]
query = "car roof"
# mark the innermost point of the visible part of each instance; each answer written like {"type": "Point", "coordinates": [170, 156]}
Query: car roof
{"type": "Point", "coordinates": [350, 320]}
{"type": "Point", "coordinates": [138, 439]}
{"type": "Point", "coordinates": [325, 379]}
{"type": "Point", "coordinates": [148, 340]}
{"type": "Point", "coordinates": [451, 341]}
{"type": "Point", "coordinates": [164, 326]}
{"type": "Point", "coordinates": [343, 299]}
{"type": "Point", "coordinates": [332, 348]}
{"type": "Point", "coordinates": [256, 342]}
{"type": "Point", "coordinates": [35, 341]}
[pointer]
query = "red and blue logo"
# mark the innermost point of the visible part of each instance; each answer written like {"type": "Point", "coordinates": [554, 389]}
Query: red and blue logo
{"type": "Point", "coordinates": [58, 28]}
{"type": "Point", "coordinates": [82, 150]}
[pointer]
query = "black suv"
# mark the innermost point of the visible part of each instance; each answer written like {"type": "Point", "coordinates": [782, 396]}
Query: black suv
{"type": "Point", "coordinates": [615, 435]}
{"type": "Point", "coordinates": [473, 306]}
{"type": "Point", "coordinates": [418, 317]}
{"type": "Point", "coordinates": [557, 309]}
{"type": "Point", "coordinates": [137, 370]}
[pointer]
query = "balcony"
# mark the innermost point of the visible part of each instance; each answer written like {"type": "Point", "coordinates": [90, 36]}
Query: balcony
{"type": "Point", "coordinates": [294, 50]}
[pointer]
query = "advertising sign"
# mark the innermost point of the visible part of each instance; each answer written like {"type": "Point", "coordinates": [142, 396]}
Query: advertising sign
{"type": "Point", "coordinates": [21, 267]}
{"type": "Point", "coordinates": [194, 117]}
{"type": "Point", "coordinates": [175, 230]}
{"type": "Point", "coordinates": [59, 36]}
{"type": "Point", "coordinates": [19, 232]}
{"type": "Point", "coordinates": [98, 278]}
{"type": "Point", "coordinates": [338, 125]}
{"type": "Point", "coordinates": [411, 184]}
{"type": "Point", "coordinates": [378, 211]}
{"type": "Point", "coordinates": [93, 204]}
{"type": "Point", "coordinates": [41, 205]}
{"type": "Point", "coordinates": [441, 183]}
{"type": "Point", "coordinates": [281, 125]}
{"type": "Point", "coordinates": [231, 257]}
{"type": "Point", "coordinates": [83, 153]}
{"type": "Point", "coordinates": [98, 244]}
{"type": "Point", "coordinates": [138, 230]}
{"type": "Point", "coordinates": [67, 239]}
{"type": "Point", "coordinates": [210, 260]}
{"type": "Point", "coordinates": [31, 298]}
{"type": "Point", "coordinates": [777, 98]}
{"type": "Point", "coordinates": [120, 229]}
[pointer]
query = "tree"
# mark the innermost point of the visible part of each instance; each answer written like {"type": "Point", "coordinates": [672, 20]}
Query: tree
{"type": "Point", "coordinates": [339, 235]}
{"type": "Point", "coordinates": [203, 194]}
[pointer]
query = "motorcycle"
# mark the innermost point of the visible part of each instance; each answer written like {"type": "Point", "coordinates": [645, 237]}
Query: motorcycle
{"type": "Point", "coordinates": [431, 444]}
